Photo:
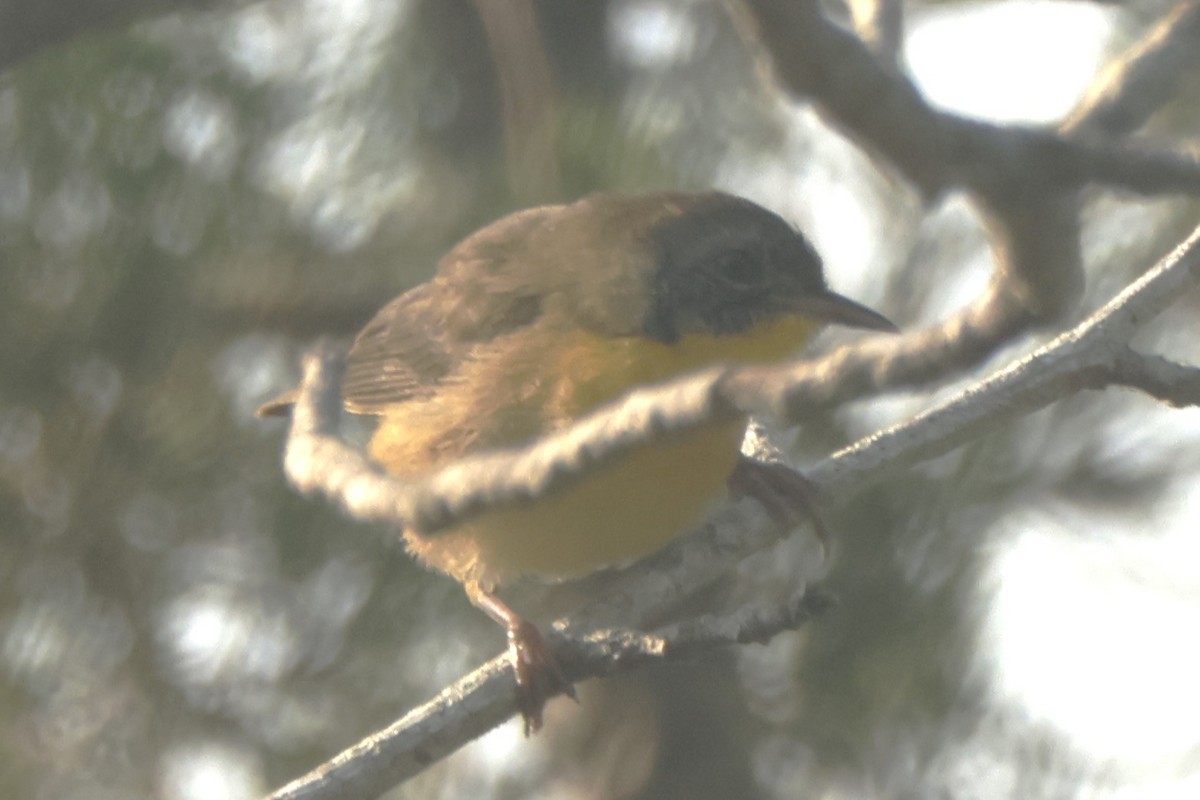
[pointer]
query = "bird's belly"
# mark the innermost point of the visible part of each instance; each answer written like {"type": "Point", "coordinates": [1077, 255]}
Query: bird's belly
{"type": "Point", "coordinates": [627, 510]}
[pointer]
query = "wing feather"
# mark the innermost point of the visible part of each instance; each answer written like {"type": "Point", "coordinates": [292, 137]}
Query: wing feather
{"type": "Point", "coordinates": [419, 340]}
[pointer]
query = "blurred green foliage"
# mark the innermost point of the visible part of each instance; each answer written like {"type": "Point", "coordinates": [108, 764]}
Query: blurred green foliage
{"type": "Point", "coordinates": [186, 203]}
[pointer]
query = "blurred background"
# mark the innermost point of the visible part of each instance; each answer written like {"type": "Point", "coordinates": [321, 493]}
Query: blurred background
{"type": "Point", "coordinates": [187, 201]}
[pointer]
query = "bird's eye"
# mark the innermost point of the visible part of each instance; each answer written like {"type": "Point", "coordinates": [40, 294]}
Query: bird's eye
{"type": "Point", "coordinates": [741, 268]}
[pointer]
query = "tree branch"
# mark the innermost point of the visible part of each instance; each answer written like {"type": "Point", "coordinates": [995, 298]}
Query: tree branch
{"type": "Point", "coordinates": [1172, 383]}
{"type": "Point", "coordinates": [1027, 184]}
{"type": "Point", "coordinates": [1092, 355]}
{"type": "Point", "coordinates": [485, 698]}
{"type": "Point", "coordinates": [880, 23]}
{"type": "Point", "coordinates": [877, 105]}
{"type": "Point", "coordinates": [316, 462]}
{"type": "Point", "coordinates": [1025, 181]}
{"type": "Point", "coordinates": [526, 98]}
{"type": "Point", "coordinates": [1142, 80]}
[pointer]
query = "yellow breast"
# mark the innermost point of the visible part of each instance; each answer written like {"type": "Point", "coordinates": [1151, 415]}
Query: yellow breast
{"type": "Point", "coordinates": [630, 508]}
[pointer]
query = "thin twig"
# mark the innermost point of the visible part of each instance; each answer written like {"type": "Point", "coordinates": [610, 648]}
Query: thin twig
{"type": "Point", "coordinates": [1142, 80]}
{"type": "Point", "coordinates": [1169, 381]}
{"type": "Point", "coordinates": [1027, 183]}
{"type": "Point", "coordinates": [790, 393]}
{"type": "Point", "coordinates": [1024, 181]}
{"type": "Point", "coordinates": [527, 98]}
{"type": "Point", "coordinates": [486, 697]}
{"type": "Point", "coordinates": [1076, 360]}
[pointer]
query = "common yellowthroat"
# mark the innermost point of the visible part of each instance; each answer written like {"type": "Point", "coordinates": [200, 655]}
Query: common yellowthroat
{"type": "Point", "coordinates": [545, 315]}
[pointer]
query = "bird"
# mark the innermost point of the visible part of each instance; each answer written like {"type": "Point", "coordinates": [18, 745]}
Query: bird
{"type": "Point", "coordinates": [549, 313]}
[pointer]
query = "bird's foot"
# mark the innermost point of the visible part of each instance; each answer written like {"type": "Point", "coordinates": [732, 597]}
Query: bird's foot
{"type": "Point", "coordinates": [788, 496]}
{"type": "Point", "coordinates": [535, 667]}
{"type": "Point", "coordinates": [538, 673]}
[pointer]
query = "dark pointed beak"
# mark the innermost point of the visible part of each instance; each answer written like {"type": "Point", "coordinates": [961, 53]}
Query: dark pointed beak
{"type": "Point", "coordinates": [832, 308]}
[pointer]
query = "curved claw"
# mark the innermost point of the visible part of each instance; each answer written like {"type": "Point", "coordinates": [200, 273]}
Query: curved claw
{"type": "Point", "coordinates": [535, 667]}
{"type": "Point", "coordinates": [786, 494]}
{"type": "Point", "coordinates": [539, 676]}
